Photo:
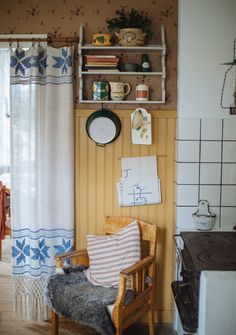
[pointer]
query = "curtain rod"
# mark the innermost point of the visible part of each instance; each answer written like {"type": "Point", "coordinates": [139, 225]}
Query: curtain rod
{"type": "Point", "coordinates": [49, 39]}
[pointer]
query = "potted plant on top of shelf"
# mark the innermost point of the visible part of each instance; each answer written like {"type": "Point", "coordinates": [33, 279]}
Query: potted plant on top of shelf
{"type": "Point", "coordinates": [132, 27]}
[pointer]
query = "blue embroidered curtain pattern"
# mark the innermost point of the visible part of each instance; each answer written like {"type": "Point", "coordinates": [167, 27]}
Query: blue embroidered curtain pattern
{"type": "Point", "coordinates": [33, 66]}
{"type": "Point", "coordinates": [42, 168]}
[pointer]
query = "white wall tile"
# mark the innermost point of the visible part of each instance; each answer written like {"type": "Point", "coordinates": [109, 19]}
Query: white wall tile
{"type": "Point", "coordinates": [211, 193]}
{"type": "Point", "coordinates": [228, 195]}
{"type": "Point", "coordinates": [187, 173]}
{"type": "Point", "coordinates": [210, 151]}
{"type": "Point", "coordinates": [211, 129]}
{"type": "Point", "coordinates": [229, 174]}
{"type": "Point", "coordinates": [229, 129]}
{"type": "Point", "coordinates": [188, 129]}
{"type": "Point", "coordinates": [184, 218]}
{"type": "Point", "coordinates": [187, 195]}
{"type": "Point", "coordinates": [216, 210]}
{"type": "Point", "coordinates": [229, 151]}
{"type": "Point", "coordinates": [228, 218]}
{"type": "Point", "coordinates": [188, 151]}
{"type": "Point", "coordinates": [210, 173]}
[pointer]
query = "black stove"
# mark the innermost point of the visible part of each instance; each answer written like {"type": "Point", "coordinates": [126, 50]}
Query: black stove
{"type": "Point", "coordinates": [201, 251]}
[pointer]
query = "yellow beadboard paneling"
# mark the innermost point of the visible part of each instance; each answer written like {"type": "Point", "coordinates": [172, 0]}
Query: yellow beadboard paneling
{"type": "Point", "coordinates": [98, 169]}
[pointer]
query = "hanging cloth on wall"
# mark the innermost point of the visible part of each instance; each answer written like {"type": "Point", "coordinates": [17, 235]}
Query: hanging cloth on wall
{"type": "Point", "coordinates": [139, 184]}
{"type": "Point", "coordinates": [41, 89]}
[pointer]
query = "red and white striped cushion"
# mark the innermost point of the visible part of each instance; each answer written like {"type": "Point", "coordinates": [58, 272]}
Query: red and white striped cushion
{"type": "Point", "coordinates": [110, 254]}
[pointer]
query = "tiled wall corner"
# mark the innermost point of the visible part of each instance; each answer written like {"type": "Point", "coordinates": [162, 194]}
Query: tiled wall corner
{"type": "Point", "coordinates": [188, 151]}
{"type": "Point", "coordinates": [206, 169]}
{"type": "Point", "coordinates": [188, 129]}
{"type": "Point", "coordinates": [183, 217]}
{"type": "Point", "coordinates": [187, 173]}
{"type": "Point", "coordinates": [187, 195]}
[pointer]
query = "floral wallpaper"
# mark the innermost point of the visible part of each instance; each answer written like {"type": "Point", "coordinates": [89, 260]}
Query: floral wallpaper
{"type": "Point", "coordinates": [64, 17]}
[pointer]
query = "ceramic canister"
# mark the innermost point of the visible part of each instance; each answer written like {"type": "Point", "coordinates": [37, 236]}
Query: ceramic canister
{"type": "Point", "coordinates": [102, 39]}
{"type": "Point", "coordinates": [142, 92]}
{"type": "Point", "coordinates": [100, 90]}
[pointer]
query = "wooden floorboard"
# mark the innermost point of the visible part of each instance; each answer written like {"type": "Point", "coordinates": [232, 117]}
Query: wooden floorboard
{"type": "Point", "coordinates": [11, 326]}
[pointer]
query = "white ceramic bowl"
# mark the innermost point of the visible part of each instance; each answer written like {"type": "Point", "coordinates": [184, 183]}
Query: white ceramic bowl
{"type": "Point", "coordinates": [129, 67]}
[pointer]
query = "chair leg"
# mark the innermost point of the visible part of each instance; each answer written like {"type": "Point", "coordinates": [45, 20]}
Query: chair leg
{"type": "Point", "coordinates": [55, 323]}
{"type": "Point", "coordinates": [151, 321]}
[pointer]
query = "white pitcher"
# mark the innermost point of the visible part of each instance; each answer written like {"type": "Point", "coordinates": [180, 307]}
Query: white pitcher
{"type": "Point", "coordinates": [119, 90]}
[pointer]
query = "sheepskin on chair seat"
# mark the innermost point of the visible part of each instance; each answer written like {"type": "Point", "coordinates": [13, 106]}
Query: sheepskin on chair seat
{"type": "Point", "coordinates": [71, 295]}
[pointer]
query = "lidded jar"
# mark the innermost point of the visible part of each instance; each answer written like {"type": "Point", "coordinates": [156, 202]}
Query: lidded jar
{"type": "Point", "coordinates": [142, 92]}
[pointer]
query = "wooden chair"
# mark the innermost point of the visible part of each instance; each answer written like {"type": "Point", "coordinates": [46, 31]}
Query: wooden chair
{"type": "Point", "coordinates": [5, 213]}
{"type": "Point", "coordinates": [141, 274]}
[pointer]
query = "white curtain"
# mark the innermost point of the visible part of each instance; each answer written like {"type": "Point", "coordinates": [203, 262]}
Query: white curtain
{"type": "Point", "coordinates": [41, 169]}
{"type": "Point", "coordinates": [4, 117]}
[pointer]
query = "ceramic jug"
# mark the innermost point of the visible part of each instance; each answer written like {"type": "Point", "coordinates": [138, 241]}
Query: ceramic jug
{"type": "Point", "coordinates": [131, 36]}
{"type": "Point", "coordinates": [119, 90]}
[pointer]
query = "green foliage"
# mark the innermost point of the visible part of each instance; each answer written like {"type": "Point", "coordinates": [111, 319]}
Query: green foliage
{"type": "Point", "coordinates": [130, 19]}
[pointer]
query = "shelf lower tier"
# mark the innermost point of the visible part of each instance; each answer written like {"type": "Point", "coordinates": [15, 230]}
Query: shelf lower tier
{"type": "Point", "coordinates": [122, 102]}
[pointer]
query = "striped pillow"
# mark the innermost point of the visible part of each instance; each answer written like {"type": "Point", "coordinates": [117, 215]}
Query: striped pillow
{"type": "Point", "coordinates": [110, 254]}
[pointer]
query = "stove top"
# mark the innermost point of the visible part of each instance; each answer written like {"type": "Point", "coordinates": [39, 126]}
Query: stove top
{"type": "Point", "coordinates": [210, 250]}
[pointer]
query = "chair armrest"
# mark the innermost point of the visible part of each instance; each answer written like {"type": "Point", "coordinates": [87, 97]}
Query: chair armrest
{"type": "Point", "coordinates": [144, 263]}
{"type": "Point", "coordinates": [77, 257]}
{"type": "Point", "coordinates": [137, 273]}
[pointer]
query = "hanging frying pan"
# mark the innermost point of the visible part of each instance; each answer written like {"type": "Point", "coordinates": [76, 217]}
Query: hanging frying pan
{"type": "Point", "coordinates": [103, 126]}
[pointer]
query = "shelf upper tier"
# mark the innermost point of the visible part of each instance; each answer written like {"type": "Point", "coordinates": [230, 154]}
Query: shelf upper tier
{"type": "Point", "coordinates": [160, 46]}
{"type": "Point", "coordinates": [117, 73]}
{"type": "Point", "coordinates": [119, 47]}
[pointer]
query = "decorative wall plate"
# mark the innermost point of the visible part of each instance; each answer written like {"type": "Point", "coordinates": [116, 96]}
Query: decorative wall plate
{"type": "Point", "coordinates": [141, 127]}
